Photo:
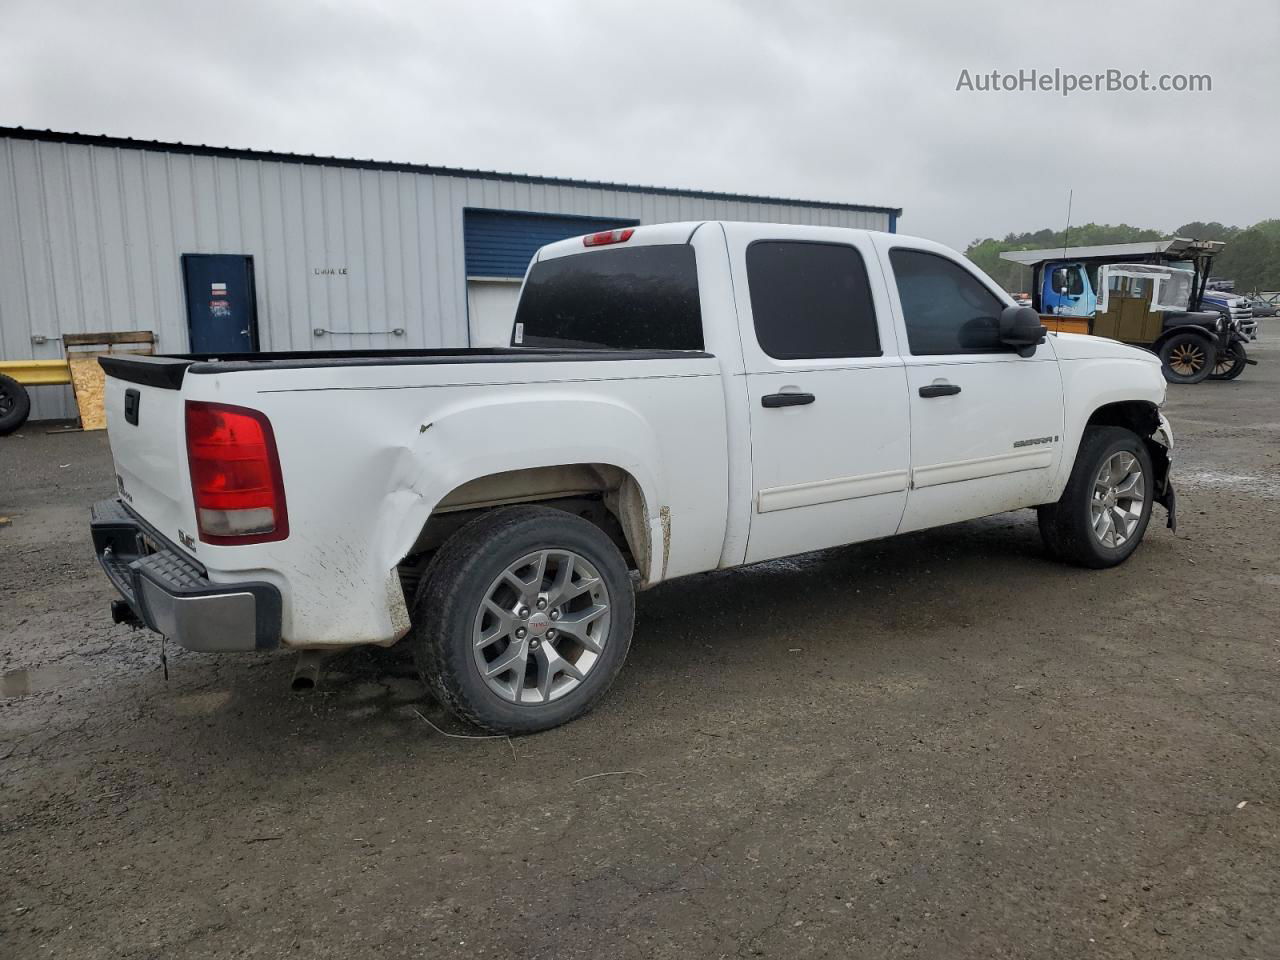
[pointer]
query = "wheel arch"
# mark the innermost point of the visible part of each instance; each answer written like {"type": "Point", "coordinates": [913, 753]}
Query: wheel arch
{"type": "Point", "coordinates": [607, 495]}
{"type": "Point", "coordinates": [575, 449]}
{"type": "Point", "coordinates": [1191, 328]}
{"type": "Point", "coordinates": [1141, 417]}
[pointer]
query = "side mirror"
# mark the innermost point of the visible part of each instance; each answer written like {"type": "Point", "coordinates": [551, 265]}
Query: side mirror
{"type": "Point", "coordinates": [1020, 327]}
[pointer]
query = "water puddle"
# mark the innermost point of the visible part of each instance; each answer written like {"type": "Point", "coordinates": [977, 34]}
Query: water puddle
{"type": "Point", "coordinates": [23, 683]}
{"type": "Point", "coordinates": [1239, 482]}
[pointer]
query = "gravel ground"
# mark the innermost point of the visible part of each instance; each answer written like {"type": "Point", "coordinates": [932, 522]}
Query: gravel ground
{"type": "Point", "coordinates": [943, 745]}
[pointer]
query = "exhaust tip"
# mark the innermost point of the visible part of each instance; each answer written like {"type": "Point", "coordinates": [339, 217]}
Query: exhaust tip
{"type": "Point", "coordinates": [306, 673]}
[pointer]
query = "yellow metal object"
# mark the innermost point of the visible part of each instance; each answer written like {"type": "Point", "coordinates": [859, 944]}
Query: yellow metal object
{"type": "Point", "coordinates": [37, 373]}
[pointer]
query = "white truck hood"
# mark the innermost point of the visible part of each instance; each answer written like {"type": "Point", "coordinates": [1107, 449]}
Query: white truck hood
{"type": "Point", "coordinates": [1079, 346]}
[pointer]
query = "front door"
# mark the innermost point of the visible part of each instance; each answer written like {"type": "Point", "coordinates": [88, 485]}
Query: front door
{"type": "Point", "coordinates": [221, 304]}
{"type": "Point", "coordinates": [826, 391]}
{"type": "Point", "coordinates": [986, 424]}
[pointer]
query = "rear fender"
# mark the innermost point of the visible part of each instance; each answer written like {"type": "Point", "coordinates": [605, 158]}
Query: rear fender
{"type": "Point", "coordinates": [482, 436]}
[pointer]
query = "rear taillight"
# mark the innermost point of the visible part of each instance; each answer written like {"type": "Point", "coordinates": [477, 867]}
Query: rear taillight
{"type": "Point", "coordinates": [235, 475]}
{"type": "Point", "coordinates": [606, 237]}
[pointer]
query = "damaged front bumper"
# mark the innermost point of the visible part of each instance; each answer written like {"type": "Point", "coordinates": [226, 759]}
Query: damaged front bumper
{"type": "Point", "coordinates": [1161, 447]}
{"type": "Point", "coordinates": [169, 592]}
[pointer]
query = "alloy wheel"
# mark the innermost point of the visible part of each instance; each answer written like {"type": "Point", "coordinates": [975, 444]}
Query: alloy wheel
{"type": "Point", "coordinates": [1119, 496]}
{"type": "Point", "coordinates": [541, 627]}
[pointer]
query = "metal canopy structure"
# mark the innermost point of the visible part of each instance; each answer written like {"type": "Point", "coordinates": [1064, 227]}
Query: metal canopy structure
{"type": "Point", "coordinates": [1177, 248]}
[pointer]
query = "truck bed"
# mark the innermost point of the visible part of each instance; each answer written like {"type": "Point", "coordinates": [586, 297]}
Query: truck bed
{"type": "Point", "coordinates": [168, 371]}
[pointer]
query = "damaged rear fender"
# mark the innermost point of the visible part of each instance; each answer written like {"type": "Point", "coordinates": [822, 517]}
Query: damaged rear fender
{"type": "Point", "coordinates": [530, 436]}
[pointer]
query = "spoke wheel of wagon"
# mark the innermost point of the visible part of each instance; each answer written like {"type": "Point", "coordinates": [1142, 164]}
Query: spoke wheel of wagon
{"type": "Point", "coordinates": [1187, 358]}
{"type": "Point", "coordinates": [524, 619]}
{"type": "Point", "coordinates": [1230, 363]}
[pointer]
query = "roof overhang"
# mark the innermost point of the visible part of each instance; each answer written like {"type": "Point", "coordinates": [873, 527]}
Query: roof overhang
{"type": "Point", "coordinates": [204, 150]}
{"type": "Point", "coordinates": [1177, 248]}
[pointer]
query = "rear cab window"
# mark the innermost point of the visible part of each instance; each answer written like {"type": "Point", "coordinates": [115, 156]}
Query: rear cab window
{"type": "Point", "coordinates": [635, 298]}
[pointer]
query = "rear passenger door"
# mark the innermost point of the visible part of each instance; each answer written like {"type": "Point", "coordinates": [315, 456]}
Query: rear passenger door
{"type": "Point", "coordinates": [825, 388]}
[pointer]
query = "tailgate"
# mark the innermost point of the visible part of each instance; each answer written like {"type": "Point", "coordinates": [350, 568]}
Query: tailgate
{"type": "Point", "coordinates": [145, 425]}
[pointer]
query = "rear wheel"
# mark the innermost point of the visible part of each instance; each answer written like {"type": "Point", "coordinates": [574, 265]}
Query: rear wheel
{"type": "Point", "coordinates": [1187, 358]}
{"type": "Point", "coordinates": [1102, 514]}
{"type": "Point", "coordinates": [524, 619]}
{"type": "Point", "coordinates": [15, 405]}
{"type": "Point", "coordinates": [1230, 364]}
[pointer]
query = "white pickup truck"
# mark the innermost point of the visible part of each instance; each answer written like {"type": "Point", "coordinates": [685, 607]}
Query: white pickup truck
{"type": "Point", "coordinates": [677, 398]}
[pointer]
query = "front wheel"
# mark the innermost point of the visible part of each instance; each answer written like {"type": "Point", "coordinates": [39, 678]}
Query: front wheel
{"type": "Point", "coordinates": [524, 619]}
{"type": "Point", "coordinates": [1230, 364]}
{"type": "Point", "coordinates": [1102, 514]}
{"type": "Point", "coordinates": [1187, 358]}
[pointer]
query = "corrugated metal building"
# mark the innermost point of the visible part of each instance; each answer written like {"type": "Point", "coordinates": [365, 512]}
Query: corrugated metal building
{"type": "Point", "coordinates": [110, 234]}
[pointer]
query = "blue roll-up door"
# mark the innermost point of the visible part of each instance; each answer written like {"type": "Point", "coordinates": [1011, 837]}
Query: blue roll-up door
{"type": "Point", "coordinates": [500, 243]}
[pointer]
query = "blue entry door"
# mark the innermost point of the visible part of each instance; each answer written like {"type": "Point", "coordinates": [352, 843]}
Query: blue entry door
{"type": "Point", "coordinates": [221, 306]}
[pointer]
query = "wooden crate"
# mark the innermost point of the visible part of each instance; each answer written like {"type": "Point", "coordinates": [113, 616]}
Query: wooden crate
{"type": "Point", "coordinates": [87, 378]}
{"type": "Point", "coordinates": [1056, 324]}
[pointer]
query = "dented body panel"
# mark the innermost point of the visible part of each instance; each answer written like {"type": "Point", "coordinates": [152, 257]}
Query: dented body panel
{"type": "Point", "coordinates": [1097, 373]}
{"type": "Point", "coordinates": [367, 475]}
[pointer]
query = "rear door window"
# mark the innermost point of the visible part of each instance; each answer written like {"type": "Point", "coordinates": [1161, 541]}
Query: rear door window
{"type": "Point", "coordinates": [811, 300]}
{"type": "Point", "coordinates": [637, 298]}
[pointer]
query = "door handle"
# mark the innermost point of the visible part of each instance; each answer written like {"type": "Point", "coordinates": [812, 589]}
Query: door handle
{"type": "Point", "coordinates": [940, 390]}
{"type": "Point", "coordinates": [786, 399]}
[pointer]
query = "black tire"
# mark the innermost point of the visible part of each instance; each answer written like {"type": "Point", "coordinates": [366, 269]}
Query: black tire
{"type": "Point", "coordinates": [458, 581]}
{"type": "Point", "coordinates": [1231, 364]}
{"type": "Point", "coordinates": [1187, 358]}
{"type": "Point", "coordinates": [1066, 527]}
{"type": "Point", "coordinates": [15, 405]}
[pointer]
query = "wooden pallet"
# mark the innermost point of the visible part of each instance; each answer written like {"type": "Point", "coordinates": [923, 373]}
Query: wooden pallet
{"type": "Point", "coordinates": [87, 378]}
{"type": "Point", "coordinates": [1057, 324]}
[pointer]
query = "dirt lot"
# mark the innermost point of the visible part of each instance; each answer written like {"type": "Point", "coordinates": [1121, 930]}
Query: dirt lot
{"type": "Point", "coordinates": [942, 746]}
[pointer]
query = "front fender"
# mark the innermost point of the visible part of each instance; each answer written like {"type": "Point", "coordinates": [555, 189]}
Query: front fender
{"type": "Point", "coordinates": [1089, 385]}
{"type": "Point", "coordinates": [1209, 336]}
{"type": "Point", "coordinates": [1160, 446]}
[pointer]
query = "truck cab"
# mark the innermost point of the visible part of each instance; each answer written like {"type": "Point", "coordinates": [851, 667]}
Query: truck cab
{"type": "Point", "coordinates": [1067, 289]}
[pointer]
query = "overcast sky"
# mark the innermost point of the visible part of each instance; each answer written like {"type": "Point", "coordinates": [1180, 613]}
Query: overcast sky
{"type": "Point", "coordinates": [852, 101]}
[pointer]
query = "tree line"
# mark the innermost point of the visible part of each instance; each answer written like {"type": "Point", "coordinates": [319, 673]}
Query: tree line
{"type": "Point", "coordinates": [1251, 256]}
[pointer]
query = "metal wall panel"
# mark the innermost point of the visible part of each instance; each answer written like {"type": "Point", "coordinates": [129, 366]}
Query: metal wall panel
{"type": "Point", "coordinates": [500, 243]}
{"type": "Point", "coordinates": [91, 238]}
